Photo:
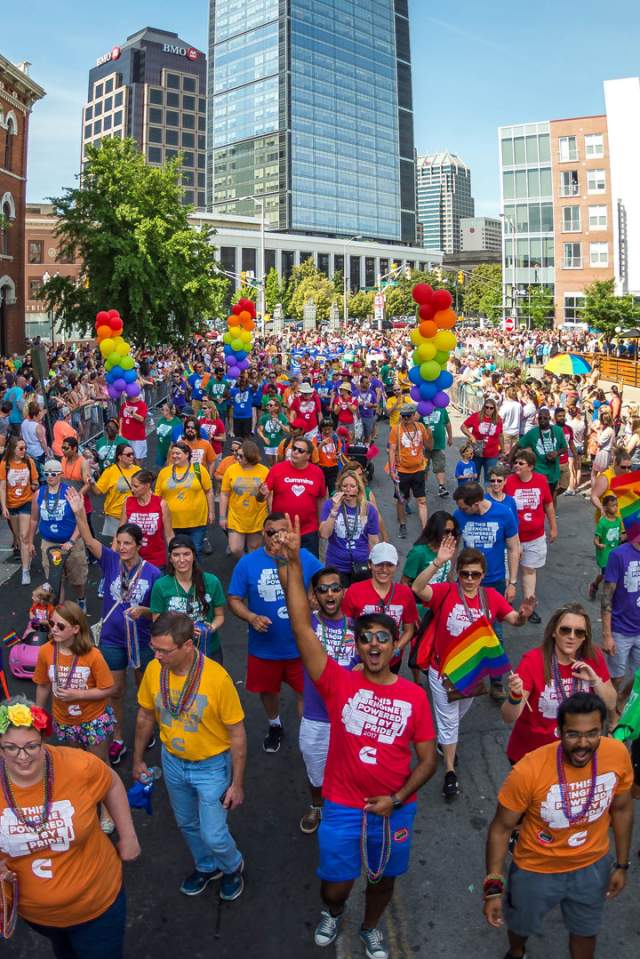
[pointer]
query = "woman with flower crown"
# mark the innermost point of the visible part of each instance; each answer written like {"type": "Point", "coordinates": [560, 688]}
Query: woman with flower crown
{"type": "Point", "coordinates": [58, 870]}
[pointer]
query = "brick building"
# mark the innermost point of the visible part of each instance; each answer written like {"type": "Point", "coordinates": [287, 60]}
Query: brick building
{"type": "Point", "coordinates": [42, 259]}
{"type": "Point", "coordinates": [18, 93]}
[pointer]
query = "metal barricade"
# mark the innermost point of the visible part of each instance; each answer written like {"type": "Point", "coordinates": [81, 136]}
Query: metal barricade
{"type": "Point", "coordinates": [89, 421]}
{"type": "Point", "coordinates": [466, 397]}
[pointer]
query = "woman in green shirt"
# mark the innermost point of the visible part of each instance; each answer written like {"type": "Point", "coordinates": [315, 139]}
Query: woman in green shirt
{"type": "Point", "coordinates": [164, 431]}
{"type": "Point", "coordinates": [272, 429]}
{"type": "Point", "coordinates": [188, 589]}
{"type": "Point", "coordinates": [425, 548]}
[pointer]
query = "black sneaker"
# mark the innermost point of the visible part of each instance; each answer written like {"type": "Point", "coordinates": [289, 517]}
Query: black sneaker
{"type": "Point", "coordinates": [535, 619]}
{"type": "Point", "coordinates": [198, 881]}
{"type": "Point", "coordinates": [450, 788]}
{"type": "Point", "coordinates": [207, 548]}
{"type": "Point", "coordinates": [403, 531]}
{"type": "Point", "coordinates": [272, 740]}
{"type": "Point", "coordinates": [443, 491]}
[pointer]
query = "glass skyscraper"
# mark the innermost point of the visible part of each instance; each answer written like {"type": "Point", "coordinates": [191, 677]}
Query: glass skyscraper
{"type": "Point", "coordinates": [443, 200]}
{"type": "Point", "coordinates": [310, 107]}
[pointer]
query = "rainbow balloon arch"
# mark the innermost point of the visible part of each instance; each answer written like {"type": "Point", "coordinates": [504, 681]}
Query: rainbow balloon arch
{"type": "Point", "coordinates": [120, 366]}
{"type": "Point", "coordinates": [238, 340]}
{"type": "Point", "coordinates": [433, 340]}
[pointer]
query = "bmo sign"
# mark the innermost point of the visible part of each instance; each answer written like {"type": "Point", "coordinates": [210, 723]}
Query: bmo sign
{"type": "Point", "coordinates": [189, 52]}
{"type": "Point", "coordinates": [113, 54]}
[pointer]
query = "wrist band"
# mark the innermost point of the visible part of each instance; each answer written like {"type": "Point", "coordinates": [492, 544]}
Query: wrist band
{"type": "Point", "coordinates": [514, 702]}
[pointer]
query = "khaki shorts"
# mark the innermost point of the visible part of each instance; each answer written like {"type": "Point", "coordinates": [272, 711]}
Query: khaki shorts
{"type": "Point", "coordinates": [76, 567]}
{"type": "Point", "coordinates": [534, 553]}
{"type": "Point", "coordinates": [565, 475]}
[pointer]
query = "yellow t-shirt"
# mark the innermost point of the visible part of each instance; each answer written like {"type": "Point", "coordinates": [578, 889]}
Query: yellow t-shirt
{"type": "Point", "coordinates": [186, 498]}
{"type": "Point", "coordinates": [245, 514]}
{"type": "Point", "coordinates": [115, 486]}
{"type": "Point", "coordinates": [201, 732]}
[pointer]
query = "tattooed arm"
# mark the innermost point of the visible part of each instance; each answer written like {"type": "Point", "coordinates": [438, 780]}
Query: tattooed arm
{"type": "Point", "coordinates": [606, 603]}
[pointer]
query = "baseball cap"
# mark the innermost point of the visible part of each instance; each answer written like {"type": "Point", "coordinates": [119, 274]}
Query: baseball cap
{"type": "Point", "coordinates": [407, 410]}
{"type": "Point", "coordinates": [384, 553]}
{"type": "Point", "coordinates": [52, 466]}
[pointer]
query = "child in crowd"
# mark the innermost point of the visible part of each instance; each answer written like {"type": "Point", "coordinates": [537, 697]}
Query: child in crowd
{"type": "Point", "coordinates": [465, 467]}
{"type": "Point", "coordinates": [609, 534]}
{"type": "Point", "coordinates": [40, 610]}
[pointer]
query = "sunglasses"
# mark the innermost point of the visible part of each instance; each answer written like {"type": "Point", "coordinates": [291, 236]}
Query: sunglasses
{"type": "Point", "coordinates": [59, 626]}
{"type": "Point", "coordinates": [521, 463]}
{"type": "Point", "coordinates": [489, 407]}
{"type": "Point", "coordinates": [54, 473]}
{"type": "Point", "coordinates": [497, 479]}
{"type": "Point", "coordinates": [382, 637]}
{"type": "Point", "coordinates": [325, 588]}
{"type": "Point", "coordinates": [451, 530]}
{"type": "Point", "coordinates": [272, 532]}
{"type": "Point", "coordinates": [571, 631]}
{"type": "Point", "coordinates": [470, 574]}
{"type": "Point", "coordinates": [299, 449]}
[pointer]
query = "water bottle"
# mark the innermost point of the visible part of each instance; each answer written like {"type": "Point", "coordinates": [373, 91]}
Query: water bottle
{"type": "Point", "coordinates": [153, 775]}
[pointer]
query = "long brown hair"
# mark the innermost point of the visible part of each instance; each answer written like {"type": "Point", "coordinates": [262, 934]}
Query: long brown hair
{"type": "Point", "coordinates": [73, 615]}
{"type": "Point", "coordinates": [361, 501]}
{"type": "Point", "coordinates": [587, 649]}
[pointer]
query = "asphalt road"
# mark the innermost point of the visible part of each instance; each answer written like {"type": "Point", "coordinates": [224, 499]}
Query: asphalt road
{"type": "Point", "coordinates": [437, 908]}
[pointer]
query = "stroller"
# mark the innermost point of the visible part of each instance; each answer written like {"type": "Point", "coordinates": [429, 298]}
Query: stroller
{"type": "Point", "coordinates": [24, 650]}
{"type": "Point", "coordinates": [363, 454]}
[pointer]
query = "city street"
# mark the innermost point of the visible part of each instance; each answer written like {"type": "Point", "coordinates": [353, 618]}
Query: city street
{"type": "Point", "coordinates": [437, 908]}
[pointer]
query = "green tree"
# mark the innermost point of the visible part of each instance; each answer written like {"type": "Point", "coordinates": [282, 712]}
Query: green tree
{"type": "Point", "coordinates": [338, 281]}
{"type": "Point", "coordinates": [127, 223]}
{"type": "Point", "coordinates": [316, 287]}
{"type": "Point", "coordinates": [361, 305]}
{"type": "Point", "coordinates": [539, 307]}
{"type": "Point", "coordinates": [605, 311]}
{"type": "Point", "coordinates": [483, 291]}
{"type": "Point", "coordinates": [274, 290]}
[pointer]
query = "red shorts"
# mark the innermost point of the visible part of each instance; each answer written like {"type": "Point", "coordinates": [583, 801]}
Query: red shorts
{"type": "Point", "coordinates": [267, 675]}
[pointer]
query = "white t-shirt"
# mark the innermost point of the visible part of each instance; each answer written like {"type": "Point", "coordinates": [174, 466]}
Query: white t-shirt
{"type": "Point", "coordinates": [510, 412]}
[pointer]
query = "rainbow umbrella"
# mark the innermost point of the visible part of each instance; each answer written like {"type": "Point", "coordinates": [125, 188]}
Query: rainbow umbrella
{"type": "Point", "coordinates": [568, 364]}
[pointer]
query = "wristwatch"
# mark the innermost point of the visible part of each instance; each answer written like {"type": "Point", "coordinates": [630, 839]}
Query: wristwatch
{"type": "Point", "coordinates": [620, 865]}
{"type": "Point", "coordinates": [395, 802]}
{"type": "Point", "coordinates": [513, 582]}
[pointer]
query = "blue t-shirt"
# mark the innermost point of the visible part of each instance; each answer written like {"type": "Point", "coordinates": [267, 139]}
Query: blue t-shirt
{"type": "Point", "coordinates": [242, 400]}
{"type": "Point", "coordinates": [489, 534]}
{"type": "Point", "coordinates": [15, 396]}
{"type": "Point", "coordinates": [255, 579]}
{"type": "Point", "coordinates": [57, 520]}
{"type": "Point", "coordinates": [114, 630]}
{"type": "Point", "coordinates": [507, 501]}
{"type": "Point", "coordinates": [195, 382]}
{"type": "Point", "coordinates": [466, 472]}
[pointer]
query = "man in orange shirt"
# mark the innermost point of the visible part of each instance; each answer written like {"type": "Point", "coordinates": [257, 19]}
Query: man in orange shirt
{"type": "Point", "coordinates": [565, 796]}
{"type": "Point", "coordinates": [407, 463]}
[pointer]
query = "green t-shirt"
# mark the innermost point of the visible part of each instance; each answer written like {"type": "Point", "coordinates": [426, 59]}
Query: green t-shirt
{"type": "Point", "coordinates": [106, 450]}
{"type": "Point", "coordinates": [386, 374]}
{"type": "Point", "coordinates": [216, 390]}
{"type": "Point", "coordinates": [437, 422]}
{"type": "Point", "coordinates": [164, 429]}
{"type": "Point", "coordinates": [273, 429]}
{"type": "Point", "coordinates": [168, 596]}
{"type": "Point", "coordinates": [418, 559]}
{"type": "Point", "coordinates": [608, 531]}
{"type": "Point", "coordinates": [542, 442]}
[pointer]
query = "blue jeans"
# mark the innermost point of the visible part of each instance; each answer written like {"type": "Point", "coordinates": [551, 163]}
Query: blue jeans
{"type": "Point", "coordinates": [484, 462]}
{"type": "Point", "coordinates": [195, 792]}
{"type": "Point", "coordinates": [101, 938]}
{"type": "Point", "coordinates": [197, 535]}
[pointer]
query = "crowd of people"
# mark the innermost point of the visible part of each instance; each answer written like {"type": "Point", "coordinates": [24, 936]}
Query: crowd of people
{"type": "Point", "coordinates": [283, 461]}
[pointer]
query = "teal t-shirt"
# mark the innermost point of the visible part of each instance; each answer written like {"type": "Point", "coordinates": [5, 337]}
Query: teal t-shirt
{"type": "Point", "coordinates": [168, 596]}
{"type": "Point", "coordinates": [609, 532]}
{"type": "Point", "coordinates": [543, 442]}
{"type": "Point", "coordinates": [164, 429]}
{"type": "Point", "coordinates": [437, 422]}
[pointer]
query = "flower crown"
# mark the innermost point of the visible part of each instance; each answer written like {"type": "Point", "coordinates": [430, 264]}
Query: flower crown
{"type": "Point", "coordinates": [21, 713]}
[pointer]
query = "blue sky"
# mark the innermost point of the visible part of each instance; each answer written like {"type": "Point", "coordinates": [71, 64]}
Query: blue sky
{"type": "Point", "coordinates": [475, 66]}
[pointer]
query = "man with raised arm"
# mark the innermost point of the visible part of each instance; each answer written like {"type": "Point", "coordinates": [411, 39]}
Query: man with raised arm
{"type": "Point", "coordinates": [369, 788]}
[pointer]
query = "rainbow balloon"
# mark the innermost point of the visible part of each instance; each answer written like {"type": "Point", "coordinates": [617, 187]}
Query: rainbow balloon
{"type": "Point", "coordinates": [238, 340]}
{"type": "Point", "coordinates": [433, 340]}
{"type": "Point", "coordinates": [120, 366]}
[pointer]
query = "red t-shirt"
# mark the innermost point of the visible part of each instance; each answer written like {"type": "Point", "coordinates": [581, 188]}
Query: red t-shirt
{"type": "Point", "coordinates": [486, 431]}
{"type": "Point", "coordinates": [345, 409]}
{"type": "Point", "coordinates": [149, 519]}
{"type": "Point", "coordinates": [372, 728]}
{"type": "Point", "coordinates": [212, 430]}
{"type": "Point", "coordinates": [538, 726]}
{"type": "Point", "coordinates": [307, 408]}
{"type": "Point", "coordinates": [531, 499]}
{"type": "Point", "coordinates": [568, 435]}
{"type": "Point", "coordinates": [131, 429]}
{"type": "Point", "coordinates": [451, 615]}
{"type": "Point", "coordinates": [297, 492]}
{"type": "Point", "coordinates": [399, 603]}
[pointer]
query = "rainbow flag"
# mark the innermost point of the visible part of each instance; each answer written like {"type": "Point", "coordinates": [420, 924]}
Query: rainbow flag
{"type": "Point", "coordinates": [627, 489]}
{"type": "Point", "coordinates": [476, 653]}
{"type": "Point", "coordinates": [10, 639]}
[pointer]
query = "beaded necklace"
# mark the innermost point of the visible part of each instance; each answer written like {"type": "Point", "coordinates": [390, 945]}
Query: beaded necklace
{"type": "Point", "coordinates": [565, 795]}
{"type": "Point", "coordinates": [56, 664]}
{"type": "Point", "coordinates": [31, 824]}
{"type": "Point", "coordinates": [375, 875]}
{"type": "Point", "coordinates": [558, 683]}
{"type": "Point", "coordinates": [188, 692]}
{"type": "Point", "coordinates": [9, 914]}
{"type": "Point", "coordinates": [174, 474]}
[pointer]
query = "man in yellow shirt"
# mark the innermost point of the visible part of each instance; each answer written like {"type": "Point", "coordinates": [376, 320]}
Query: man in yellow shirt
{"type": "Point", "coordinates": [204, 749]}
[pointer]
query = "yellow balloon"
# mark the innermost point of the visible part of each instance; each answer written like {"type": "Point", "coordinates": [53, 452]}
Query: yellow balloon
{"type": "Point", "coordinates": [415, 337]}
{"type": "Point", "coordinates": [106, 347]}
{"type": "Point", "coordinates": [122, 349]}
{"type": "Point", "coordinates": [427, 351]}
{"type": "Point", "coordinates": [445, 340]}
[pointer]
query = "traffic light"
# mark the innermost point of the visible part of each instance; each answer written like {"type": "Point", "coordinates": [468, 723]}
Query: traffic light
{"type": "Point", "coordinates": [243, 278]}
{"type": "Point", "coordinates": [461, 278]}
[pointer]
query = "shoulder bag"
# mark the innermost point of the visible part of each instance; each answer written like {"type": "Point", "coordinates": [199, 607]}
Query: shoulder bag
{"type": "Point", "coordinates": [359, 571]}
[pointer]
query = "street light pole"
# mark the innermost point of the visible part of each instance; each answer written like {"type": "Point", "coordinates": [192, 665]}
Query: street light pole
{"type": "Point", "coordinates": [345, 311]}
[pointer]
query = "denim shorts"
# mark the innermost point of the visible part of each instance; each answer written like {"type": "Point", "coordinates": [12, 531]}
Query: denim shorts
{"type": "Point", "coordinates": [339, 840]}
{"type": "Point", "coordinates": [20, 510]}
{"type": "Point", "coordinates": [117, 657]}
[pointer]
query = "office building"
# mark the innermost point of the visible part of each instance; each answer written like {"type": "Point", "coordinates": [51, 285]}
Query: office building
{"type": "Point", "coordinates": [480, 234]}
{"type": "Point", "coordinates": [18, 94]}
{"type": "Point", "coordinates": [153, 89]}
{"type": "Point", "coordinates": [310, 109]}
{"type": "Point", "coordinates": [443, 199]}
{"type": "Point", "coordinates": [622, 100]}
{"type": "Point", "coordinates": [43, 259]}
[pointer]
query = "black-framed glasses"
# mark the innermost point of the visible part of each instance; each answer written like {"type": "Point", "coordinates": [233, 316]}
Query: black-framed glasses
{"type": "Point", "coordinates": [127, 453]}
{"type": "Point", "coordinates": [29, 749]}
{"type": "Point", "coordinates": [299, 449]}
{"type": "Point", "coordinates": [381, 636]}
{"type": "Point", "coordinates": [470, 574]}
{"type": "Point", "coordinates": [451, 530]}
{"type": "Point", "coordinates": [521, 463]}
{"type": "Point", "coordinates": [497, 479]}
{"type": "Point", "coordinates": [325, 588]}
{"type": "Point", "coordinates": [271, 532]}
{"type": "Point", "coordinates": [579, 632]}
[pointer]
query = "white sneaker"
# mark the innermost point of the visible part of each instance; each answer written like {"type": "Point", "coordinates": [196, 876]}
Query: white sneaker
{"type": "Point", "coordinates": [327, 929]}
{"type": "Point", "coordinates": [26, 577]}
{"type": "Point", "coordinates": [374, 946]}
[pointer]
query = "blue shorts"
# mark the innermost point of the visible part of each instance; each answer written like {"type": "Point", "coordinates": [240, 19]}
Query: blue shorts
{"type": "Point", "coordinates": [117, 657]}
{"type": "Point", "coordinates": [339, 839]}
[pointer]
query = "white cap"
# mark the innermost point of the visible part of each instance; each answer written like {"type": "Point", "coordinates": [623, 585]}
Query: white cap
{"type": "Point", "coordinates": [384, 553]}
{"type": "Point", "coordinates": [305, 388]}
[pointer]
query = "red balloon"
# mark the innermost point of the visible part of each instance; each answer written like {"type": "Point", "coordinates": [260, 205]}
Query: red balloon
{"type": "Point", "coordinates": [237, 308]}
{"type": "Point", "coordinates": [422, 293]}
{"type": "Point", "coordinates": [113, 314]}
{"type": "Point", "coordinates": [117, 329]}
{"type": "Point", "coordinates": [101, 318]}
{"type": "Point", "coordinates": [442, 300]}
{"type": "Point", "coordinates": [427, 311]}
{"type": "Point", "coordinates": [114, 322]}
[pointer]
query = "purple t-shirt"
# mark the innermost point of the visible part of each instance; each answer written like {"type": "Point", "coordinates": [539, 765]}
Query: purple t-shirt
{"type": "Point", "coordinates": [120, 593]}
{"type": "Point", "coordinates": [341, 552]}
{"type": "Point", "coordinates": [623, 569]}
{"type": "Point", "coordinates": [337, 638]}
{"type": "Point", "coordinates": [370, 398]}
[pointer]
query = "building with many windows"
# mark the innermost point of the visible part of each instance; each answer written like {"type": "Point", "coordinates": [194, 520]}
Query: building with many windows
{"type": "Point", "coordinates": [18, 94]}
{"type": "Point", "coordinates": [153, 88]}
{"type": "Point", "coordinates": [310, 111]}
{"type": "Point", "coordinates": [443, 200]}
{"type": "Point", "coordinates": [43, 259]}
{"type": "Point", "coordinates": [481, 234]}
{"type": "Point", "coordinates": [622, 99]}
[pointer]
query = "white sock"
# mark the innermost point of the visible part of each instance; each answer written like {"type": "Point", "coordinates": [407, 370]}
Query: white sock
{"type": "Point", "coordinates": [275, 722]}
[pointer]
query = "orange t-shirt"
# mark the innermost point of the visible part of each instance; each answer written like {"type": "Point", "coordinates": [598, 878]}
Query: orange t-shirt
{"type": "Point", "coordinates": [91, 672]}
{"type": "Point", "coordinates": [19, 476]}
{"type": "Point", "coordinates": [328, 450]}
{"type": "Point", "coordinates": [71, 873]}
{"type": "Point", "coordinates": [409, 447]}
{"type": "Point", "coordinates": [61, 431]}
{"type": "Point", "coordinates": [224, 465]}
{"type": "Point", "coordinates": [201, 452]}
{"type": "Point", "coordinates": [547, 842]}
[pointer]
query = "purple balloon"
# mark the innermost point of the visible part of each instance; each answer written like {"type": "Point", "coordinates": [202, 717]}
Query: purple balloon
{"type": "Point", "coordinates": [132, 390]}
{"type": "Point", "coordinates": [441, 399]}
{"type": "Point", "coordinates": [415, 394]}
{"type": "Point", "coordinates": [243, 364]}
{"type": "Point", "coordinates": [234, 372]}
{"type": "Point", "coordinates": [425, 407]}
{"type": "Point", "coordinates": [120, 386]}
{"type": "Point", "coordinates": [113, 392]}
